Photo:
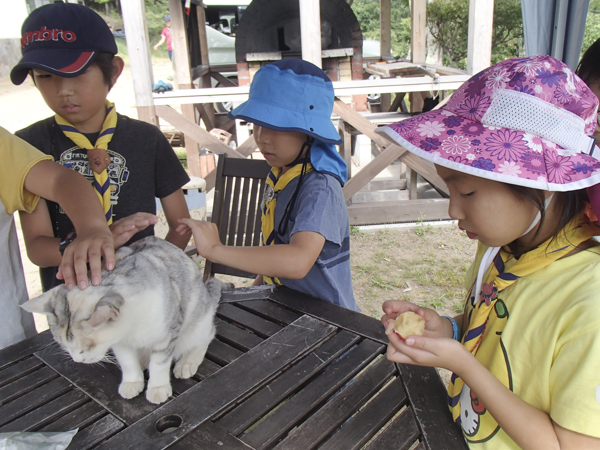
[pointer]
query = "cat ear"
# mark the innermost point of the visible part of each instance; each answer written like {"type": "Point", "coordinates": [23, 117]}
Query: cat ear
{"type": "Point", "coordinates": [108, 308]}
{"type": "Point", "coordinates": [45, 303]}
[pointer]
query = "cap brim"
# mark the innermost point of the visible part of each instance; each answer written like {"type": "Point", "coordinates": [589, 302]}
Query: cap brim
{"type": "Point", "coordinates": [55, 61]}
{"type": "Point", "coordinates": [495, 153]}
{"type": "Point", "coordinates": [274, 117]}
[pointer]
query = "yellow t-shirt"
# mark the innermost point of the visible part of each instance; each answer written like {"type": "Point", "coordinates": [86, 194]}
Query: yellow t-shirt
{"type": "Point", "coordinates": [18, 158]}
{"type": "Point", "coordinates": [542, 341]}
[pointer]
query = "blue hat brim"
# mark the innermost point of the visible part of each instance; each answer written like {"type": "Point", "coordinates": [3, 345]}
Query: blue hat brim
{"type": "Point", "coordinates": [275, 117]}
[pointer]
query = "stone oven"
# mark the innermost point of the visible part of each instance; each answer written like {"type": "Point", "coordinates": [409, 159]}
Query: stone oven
{"type": "Point", "coordinates": [270, 30]}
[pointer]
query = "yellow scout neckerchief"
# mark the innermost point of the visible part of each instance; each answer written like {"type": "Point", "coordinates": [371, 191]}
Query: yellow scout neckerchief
{"type": "Point", "coordinates": [274, 186]}
{"type": "Point", "coordinates": [98, 156]}
{"type": "Point", "coordinates": [577, 231]}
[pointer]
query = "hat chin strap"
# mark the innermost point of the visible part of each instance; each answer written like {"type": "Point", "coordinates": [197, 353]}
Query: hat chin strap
{"type": "Point", "coordinates": [491, 252]}
{"type": "Point", "coordinates": [308, 143]}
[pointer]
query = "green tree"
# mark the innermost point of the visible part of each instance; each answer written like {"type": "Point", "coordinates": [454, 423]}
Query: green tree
{"type": "Point", "coordinates": [592, 25]}
{"type": "Point", "coordinates": [367, 14]}
{"type": "Point", "coordinates": [448, 23]}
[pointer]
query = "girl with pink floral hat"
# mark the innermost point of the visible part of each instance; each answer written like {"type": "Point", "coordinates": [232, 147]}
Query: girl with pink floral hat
{"type": "Point", "coordinates": [514, 146]}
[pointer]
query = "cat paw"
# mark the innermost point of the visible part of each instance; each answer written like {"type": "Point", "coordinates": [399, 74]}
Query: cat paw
{"type": "Point", "coordinates": [185, 369]}
{"type": "Point", "coordinates": [131, 389]}
{"type": "Point", "coordinates": [158, 394]}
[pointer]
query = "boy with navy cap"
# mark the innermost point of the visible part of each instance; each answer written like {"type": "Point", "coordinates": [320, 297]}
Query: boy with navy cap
{"type": "Point", "coordinates": [305, 226]}
{"type": "Point", "coordinates": [69, 52]}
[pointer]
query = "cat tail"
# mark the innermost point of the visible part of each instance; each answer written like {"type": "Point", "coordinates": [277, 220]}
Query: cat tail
{"type": "Point", "coordinates": [215, 287]}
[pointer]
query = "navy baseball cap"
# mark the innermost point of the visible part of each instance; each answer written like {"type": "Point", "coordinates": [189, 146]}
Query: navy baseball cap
{"type": "Point", "coordinates": [62, 39]}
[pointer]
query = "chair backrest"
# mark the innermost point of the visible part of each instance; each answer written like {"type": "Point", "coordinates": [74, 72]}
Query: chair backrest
{"type": "Point", "coordinates": [239, 188]}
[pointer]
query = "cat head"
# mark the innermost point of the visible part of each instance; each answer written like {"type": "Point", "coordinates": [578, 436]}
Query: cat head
{"type": "Point", "coordinates": [82, 322]}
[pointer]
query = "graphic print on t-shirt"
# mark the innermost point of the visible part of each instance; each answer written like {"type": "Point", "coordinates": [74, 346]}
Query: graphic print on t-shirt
{"type": "Point", "coordinates": [76, 159]}
{"type": "Point", "coordinates": [477, 423]}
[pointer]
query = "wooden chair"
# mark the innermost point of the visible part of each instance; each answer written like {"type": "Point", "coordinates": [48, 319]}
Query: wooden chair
{"type": "Point", "coordinates": [239, 188]}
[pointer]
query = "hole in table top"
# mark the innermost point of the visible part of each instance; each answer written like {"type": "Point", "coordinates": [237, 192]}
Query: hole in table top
{"type": "Point", "coordinates": [169, 423]}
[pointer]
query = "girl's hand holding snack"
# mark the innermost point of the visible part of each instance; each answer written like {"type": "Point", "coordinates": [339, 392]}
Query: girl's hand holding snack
{"type": "Point", "coordinates": [435, 347]}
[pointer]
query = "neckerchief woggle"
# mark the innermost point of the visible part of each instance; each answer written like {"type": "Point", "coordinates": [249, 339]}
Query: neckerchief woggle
{"type": "Point", "coordinates": [497, 279]}
{"type": "Point", "coordinates": [97, 154]}
{"type": "Point", "coordinates": [276, 184]}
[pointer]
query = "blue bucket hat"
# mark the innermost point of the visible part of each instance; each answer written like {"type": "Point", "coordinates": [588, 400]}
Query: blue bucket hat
{"type": "Point", "coordinates": [291, 95]}
{"type": "Point", "coordinates": [62, 39]}
{"type": "Point", "coordinates": [295, 95]}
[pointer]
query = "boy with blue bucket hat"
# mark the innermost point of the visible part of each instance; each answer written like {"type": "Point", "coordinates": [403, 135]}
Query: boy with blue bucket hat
{"type": "Point", "coordinates": [305, 226]}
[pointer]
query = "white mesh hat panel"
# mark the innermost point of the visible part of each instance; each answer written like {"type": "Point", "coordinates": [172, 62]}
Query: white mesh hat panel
{"type": "Point", "coordinates": [519, 111]}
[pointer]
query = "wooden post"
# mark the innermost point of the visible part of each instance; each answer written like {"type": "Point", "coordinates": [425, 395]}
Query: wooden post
{"type": "Point", "coordinates": [481, 19]}
{"type": "Point", "coordinates": [310, 31]}
{"type": "Point", "coordinates": [183, 77]}
{"type": "Point", "coordinates": [418, 44]}
{"type": "Point", "coordinates": [134, 20]}
{"type": "Point", "coordinates": [385, 28]}
{"type": "Point", "coordinates": [385, 43]}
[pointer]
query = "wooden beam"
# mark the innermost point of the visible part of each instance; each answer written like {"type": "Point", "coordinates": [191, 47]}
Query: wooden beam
{"type": "Point", "coordinates": [310, 31]}
{"type": "Point", "coordinates": [418, 44]}
{"type": "Point", "coordinates": [398, 211]}
{"type": "Point", "coordinates": [481, 20]}
{"type": "Point", "coordinates": [390, 152]}
{"type": "Point", "coordinates": [183, 78]}
{"type": "Point", "coordinates": [385, 28]}
{"type": "Point", "coordinates": [134, 20]}
{"type": "Point", "coordinates": [200, 135]}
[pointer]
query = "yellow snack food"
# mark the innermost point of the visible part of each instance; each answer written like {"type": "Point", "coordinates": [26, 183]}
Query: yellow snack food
{"type": "Point", "coordinates": [409, 324]}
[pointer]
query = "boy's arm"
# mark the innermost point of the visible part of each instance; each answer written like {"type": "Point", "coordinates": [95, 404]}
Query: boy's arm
{"type": "Point", "coordinates": [175, 208]}
{"type": "Point", "coordinates": [79, 201]}
{"type": "Point", "coordinates": [292, 261]}
{"type": "Point", "coordinates": [159, 43]}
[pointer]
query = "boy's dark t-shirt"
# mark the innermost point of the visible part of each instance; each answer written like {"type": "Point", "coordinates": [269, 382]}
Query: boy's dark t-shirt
{"type": "Point", "coordinates": [143, 166]}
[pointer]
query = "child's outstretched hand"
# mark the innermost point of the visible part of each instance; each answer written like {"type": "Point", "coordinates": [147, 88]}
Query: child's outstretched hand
{"type": "Point", "coordinates": [435, 348]}
{"type": "Point", "coordinates": [124, 229]}
{"type": "Point", "coordinates": [206, 234]}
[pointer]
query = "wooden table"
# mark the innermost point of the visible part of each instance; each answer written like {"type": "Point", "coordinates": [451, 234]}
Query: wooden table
{"type": "Point", "coordinates": [286, 371]}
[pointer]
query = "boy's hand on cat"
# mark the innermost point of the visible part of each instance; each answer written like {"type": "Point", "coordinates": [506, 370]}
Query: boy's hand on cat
{"type": "Point", "coordinates": [435, 325]}
{"type": "Point", "coordinates": [125, 228]}
{"type": "Point", "coordinates": [88, 248]}
{"type": "Point", "coordinates": [206, 234]}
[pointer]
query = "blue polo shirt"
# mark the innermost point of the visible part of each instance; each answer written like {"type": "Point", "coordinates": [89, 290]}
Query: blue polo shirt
{"type": "Point", "coordinates": [320, 207]}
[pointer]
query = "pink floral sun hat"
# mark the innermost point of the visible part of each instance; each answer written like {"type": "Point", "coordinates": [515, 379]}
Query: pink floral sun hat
{"type": "Point", "coordinates": [524, 121]}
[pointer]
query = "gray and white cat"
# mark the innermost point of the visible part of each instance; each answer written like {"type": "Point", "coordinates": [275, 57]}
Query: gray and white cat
{"type": "Point", "coordinates": [152, 309]}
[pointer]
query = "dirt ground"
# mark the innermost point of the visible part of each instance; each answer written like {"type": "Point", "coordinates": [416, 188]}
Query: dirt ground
{"type": "Point", "coordinates": [421, 263]}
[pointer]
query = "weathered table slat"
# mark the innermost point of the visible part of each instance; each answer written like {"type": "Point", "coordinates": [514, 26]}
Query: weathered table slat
{"type": "Point", "coordinates": [363, 426]}
{"type": "Point", "coordinates": [236, 336]}
{"type": "Point", "coordinates": [239, 378]}
{"type": "Point", "coordinates": [401, 434]}
{"type": "Point", "coordinates": [270, 310]}
{"type": "Point", "coordinates": [222, 353]}
{"type": "Point", "coordinates": [237, 420]}
{"type": "Point", "coordinates": [209, 436]}
{"type": "Point", "coordinates": [19, 370]}
{"type": "Point", "coordinates": [428, 398]}
{"type": "Point", "coordinates": [91, 435]}
{"type": "Point", "coordinates": [47, 413]}
{"type": "Point", "coordinates": [99, 383]}
{"type": "Point", "coordinates": [81, 417]}
{"type": "Point", "coordinates": [24, 349]}
{"type": "Point", "coordinates": [345, 403]}
{"type": "Point", "coordinates": [273, 427]}
{"type": "Point", "coordinates": [25, 384]}
{"type": "Point", "coordinates": [258, 325]}
{"type": "Point", "coordinates": [33, 399]}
